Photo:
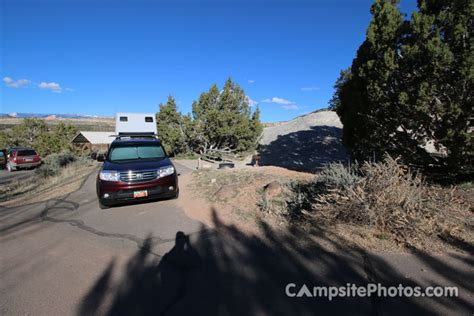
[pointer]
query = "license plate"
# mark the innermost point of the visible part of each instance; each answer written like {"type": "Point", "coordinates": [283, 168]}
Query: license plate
{"type": "Point", "coordinates": [140, 194]}
{"type": "Point", "coordinates": [28, 159]}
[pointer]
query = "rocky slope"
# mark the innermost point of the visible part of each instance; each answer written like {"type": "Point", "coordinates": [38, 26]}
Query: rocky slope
{"type": "Point", "coordinates": [305, 143]}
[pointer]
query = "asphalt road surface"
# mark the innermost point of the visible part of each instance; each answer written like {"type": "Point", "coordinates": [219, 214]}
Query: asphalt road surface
{"type": "Point", "coordinates": [7, 177]}
{"type": "Point", "coordinates": [68, 257]}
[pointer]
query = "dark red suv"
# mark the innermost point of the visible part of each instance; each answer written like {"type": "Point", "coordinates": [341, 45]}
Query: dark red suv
{"type": "Point", "coordinates": [136, 169]}
{"type": "Point", "coordinates": [18, 158]}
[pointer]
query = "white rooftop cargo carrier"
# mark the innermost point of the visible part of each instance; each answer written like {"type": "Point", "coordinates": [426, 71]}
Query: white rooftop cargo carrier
{"type": "Point", "coordinates": [135, 123]}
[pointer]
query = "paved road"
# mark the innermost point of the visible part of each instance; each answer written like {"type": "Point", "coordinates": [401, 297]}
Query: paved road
{"type": "Point", "coordinates": [68, 257]}
{"type": "Point", "coordinates": [7, 177]}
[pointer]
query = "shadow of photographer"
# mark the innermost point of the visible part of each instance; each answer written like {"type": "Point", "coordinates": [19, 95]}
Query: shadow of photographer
{"type": "Point", "coordinates": [229, 272]}
{"type": "Point", "coordinates": [178, 272]}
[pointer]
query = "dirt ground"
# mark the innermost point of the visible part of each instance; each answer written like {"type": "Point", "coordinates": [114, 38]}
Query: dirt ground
{"type": "Point", "coordinates": [235, 196]}
{"type": "Point", "coordinates": [67, 182]}
{"type": "Point", "coordinates": [232, 193]}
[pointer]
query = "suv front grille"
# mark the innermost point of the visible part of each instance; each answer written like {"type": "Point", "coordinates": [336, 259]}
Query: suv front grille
{"type": "Point", "coordinates": [133, 176]}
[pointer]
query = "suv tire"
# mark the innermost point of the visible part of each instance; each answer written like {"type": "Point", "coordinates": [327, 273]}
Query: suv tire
{"type": "Point", "coordinates": [176, 195]}
{"type": "Point", "coordinates": [10, 167]}
{"type": "Point", "coordinates": [102, 205]}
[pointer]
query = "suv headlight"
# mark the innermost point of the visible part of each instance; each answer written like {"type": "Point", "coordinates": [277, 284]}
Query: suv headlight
{"type": "Point", "coordinates": [109, 175]}
{"type": "Point", "coordinates": [165, 171]}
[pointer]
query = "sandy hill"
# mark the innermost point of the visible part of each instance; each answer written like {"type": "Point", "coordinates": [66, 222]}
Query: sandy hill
{"type": "Point", "coordinates": [305, 143]}
{"type": "Point", "coordinates": [82, 124]}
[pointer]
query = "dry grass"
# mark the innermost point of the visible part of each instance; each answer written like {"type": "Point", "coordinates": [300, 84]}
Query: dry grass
{"type": "Point", "coordinates": [383, 206]}
{"type": "Point", "coordinates": [38, 188]}
{"type": "Point", "coordinates": [383, 198]}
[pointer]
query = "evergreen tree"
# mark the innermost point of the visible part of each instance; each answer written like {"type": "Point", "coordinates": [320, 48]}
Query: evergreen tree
{"type": "Point", "coordinates": [223, 120]}
{"type": "Point", "coordinates": [256, 126]}
{"type": "Point", "coordinates": [56, 139]}
{"type": "Point", "coordinates": [411, 83]}
{"type": "Point", "coordinates": [6, 139]}
{"type": "Point", "coordinates": [438, 77]}
{"type": "Point", "coordinates": [365, 99]}
{"type": "Point", "coordinates": [170, 127]}
{"type": "Point", "coordinates": [220, 120]}
{"type": "Point", "coordinates": [34, 132]}
{"type": "Point", "coordinates": [206, 124]}
{"type": "Point", "coordinates": [29, 131]}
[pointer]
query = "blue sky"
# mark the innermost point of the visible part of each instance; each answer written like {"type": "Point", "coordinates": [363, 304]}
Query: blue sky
{"type": "Point", "coordinates": [102, 57]}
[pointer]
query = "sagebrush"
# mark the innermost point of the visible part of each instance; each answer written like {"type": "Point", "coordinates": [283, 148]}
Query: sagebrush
{"type": "Point", "coordinates": [386, 197]}
{"type": "Point", "coordinates": [54, 163]}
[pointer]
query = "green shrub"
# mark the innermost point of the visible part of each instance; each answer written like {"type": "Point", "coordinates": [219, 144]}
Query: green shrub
{"type": "Point", "coordinates": [53, 163]}
{"type": "Point", "coordinates": [337, 175]}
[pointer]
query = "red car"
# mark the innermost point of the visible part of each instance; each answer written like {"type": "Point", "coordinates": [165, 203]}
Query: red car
{"type": "Point", "coordinates": [18, 158]}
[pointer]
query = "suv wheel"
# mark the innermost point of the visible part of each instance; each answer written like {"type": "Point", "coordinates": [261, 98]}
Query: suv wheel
{"type": "Point", "coordinates": [10, 167]}
{"type": "Point", "coordinates": [102, 205]}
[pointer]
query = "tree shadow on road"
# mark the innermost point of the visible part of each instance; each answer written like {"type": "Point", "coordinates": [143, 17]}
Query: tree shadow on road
{"type": "Point", "coordinates": [229, 272]}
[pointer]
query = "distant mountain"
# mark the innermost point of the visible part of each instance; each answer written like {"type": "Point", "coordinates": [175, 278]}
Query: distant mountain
{"type": "Point", "coordinates": [66, 116]}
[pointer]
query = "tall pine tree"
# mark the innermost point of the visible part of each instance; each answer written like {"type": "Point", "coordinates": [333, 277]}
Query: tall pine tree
{"type": "Point", "coordinates": [170, 127]}
{"type": "Point", "coordinates": [365, 95]}
{"type": "Point", "coordinates": [438, 76]}
{"type": "Point", "coordinates": [411, 84]}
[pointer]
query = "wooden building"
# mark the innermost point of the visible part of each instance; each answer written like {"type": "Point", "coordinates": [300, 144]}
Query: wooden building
{"type": "Point", "coordinates": [88, 142]}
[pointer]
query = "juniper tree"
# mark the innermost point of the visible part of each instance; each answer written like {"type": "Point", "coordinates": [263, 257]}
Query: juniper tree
{"type": "Point", "coordinates": [170, 127]}
{"type": "Point", "coordinates": [437, 77]}
{"type": "Point", "coordinates": [223, 119]}
{"type": "Point", "coordinates": [410, 83]}
{"type": "Point", "coordinates": [34, 132]}
{"type": "Point", "coordinates": [365, 96]}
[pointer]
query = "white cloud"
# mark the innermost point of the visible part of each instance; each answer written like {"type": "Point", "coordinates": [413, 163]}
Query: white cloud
{"type": "Point", "coordinates": [53, 86]}
{"type": "Point", "coordinates": [250, 81]}
{"type": "Point", "coordinates": [292, 106]}
{"type": "Point", "coordinates": [277, 100]}
{"type": "Point", "coordinates": [250, 101]}
{"type": "Point", "coordinates": [16, 83]}
{"type": "Point", "coordinates": [285, 104]}
{"type": "Point", "coordinates": [312, 88]}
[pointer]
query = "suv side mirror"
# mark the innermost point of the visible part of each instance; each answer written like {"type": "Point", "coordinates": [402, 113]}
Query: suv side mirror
{"type": "Point", "coordinates": [100, 157]}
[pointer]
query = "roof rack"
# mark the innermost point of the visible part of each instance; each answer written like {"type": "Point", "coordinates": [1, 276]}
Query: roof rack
{"type": "Point", "coordinates": [19, 148]}
{"type": "Point", "coordinates": [135, 135]}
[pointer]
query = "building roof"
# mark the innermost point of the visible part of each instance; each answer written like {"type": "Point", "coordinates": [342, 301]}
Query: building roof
{"type": "Point", "coordinates": [95, 138]}
{"type": "Point", "coordinates": [137, 140]}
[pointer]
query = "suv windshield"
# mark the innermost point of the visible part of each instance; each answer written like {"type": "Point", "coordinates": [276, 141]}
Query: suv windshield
{"type": "Point", "coordinates": [26, 153]}
{"type": "Point", "coordinates": [136, 151]}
